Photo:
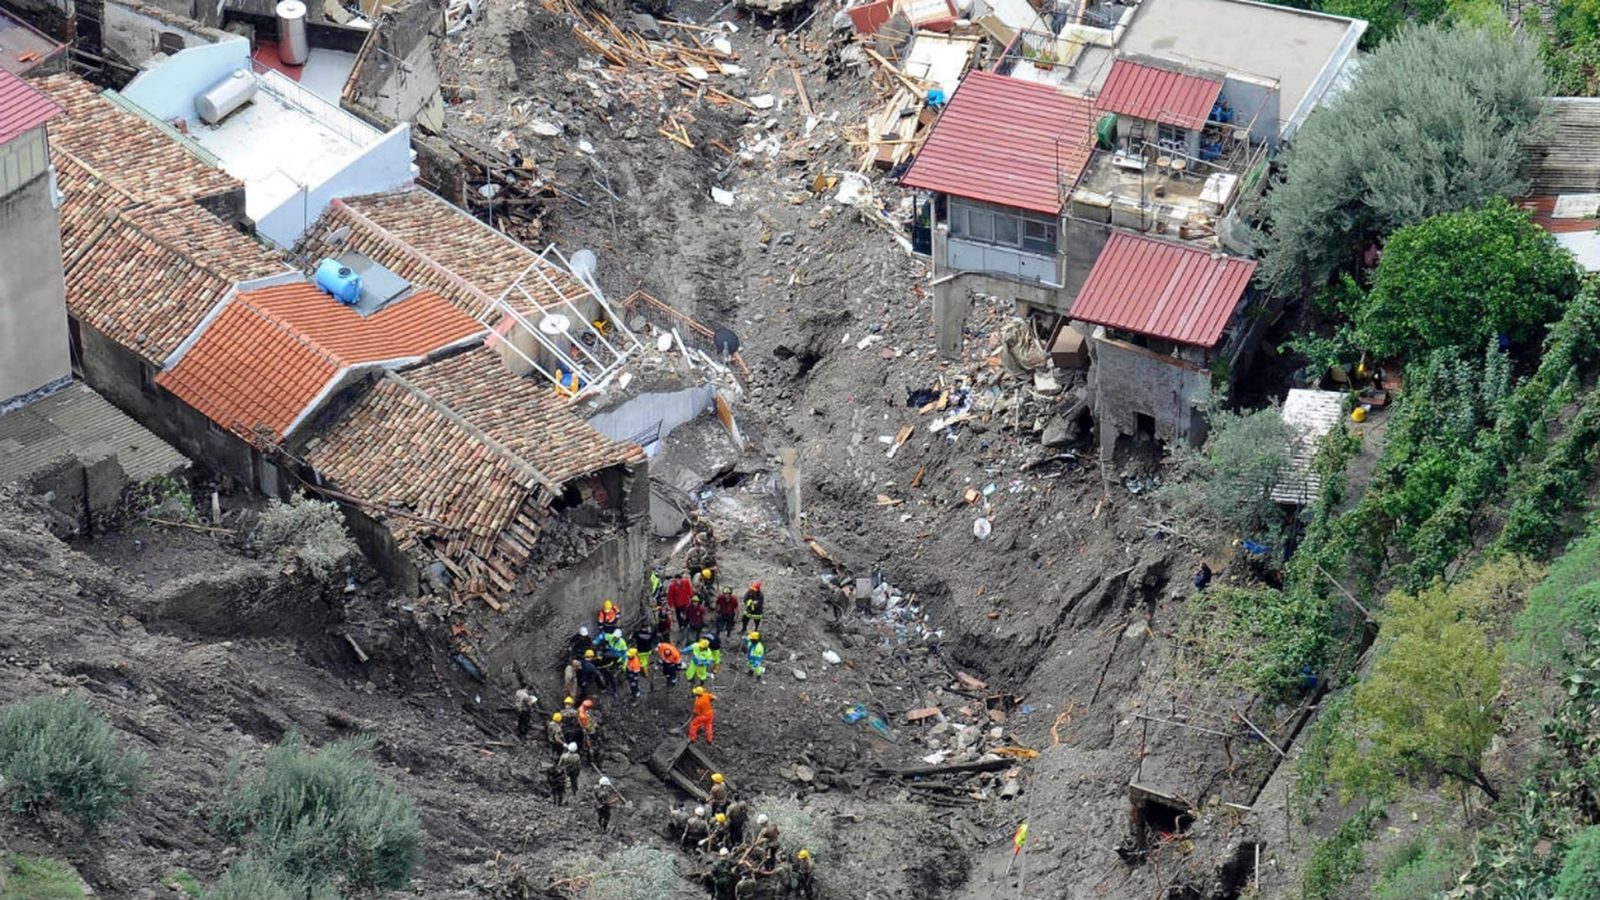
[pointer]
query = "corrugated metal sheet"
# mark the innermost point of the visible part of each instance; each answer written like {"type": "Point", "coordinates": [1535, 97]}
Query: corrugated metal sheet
{"type": "Point", "coordinates": [21, 107]}
{"type": "Point", "coordinates": [76, 422]}
{"type": "Point", "coordinates": [1006, 141]}
{"type": "Point", "coordinates": [1164, 290]}
{"type": "Point", "coordinates": [1146, 92]}
{"type": "Point", "coordinates": [1310, 415]}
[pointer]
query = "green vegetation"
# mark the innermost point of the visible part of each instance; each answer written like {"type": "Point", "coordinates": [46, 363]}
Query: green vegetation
{"type": "Point", "coordinates": [1557, 609]}
{"type": "Point", "coordinates": [1433, 124]}
{"type": "Point", "coordinates": [1255, 638]}
{"type": "Point", "coordinates": [28, 878]}
{"type": "Point", "coordinates": [310, 532]}
{"type": "Point", "coordinates": [1572, 47]}
{"type": "Point", "coordinates": [183, 881]}
{"type": "Point", "coordinates": [1316, 752]}
{"type": "Point", "coordinates": [56, 752]}
{"type": "Point", "coordinates": [165, 497]}
{"type": "Point", "coordinates": [324, 816]}
{"type": "Point", "coordinates": [633, 873]}
{"type": "Point", "coordinates": [1458, 280]}
{"type": "Point", "coordinates": [1427, 708]}
{"type": "Point", "coordinates": [1423, 868]}
{"type": "Point", "coordinates": [1580, 870]}
{"type": "Point", "coordinates": [1338, 859]}
{"type": "Point", "coordinates": [1229, 483]}
{"type": "Point", "coordinates": [252, 879]}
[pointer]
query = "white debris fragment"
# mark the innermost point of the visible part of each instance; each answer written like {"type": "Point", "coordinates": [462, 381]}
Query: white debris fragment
{"type": "Point", "coordinates": [543, 128]}
{"type": "Point", "coordinates": [697, 73]}
{"type": "Point", "coordinates": [762, 101]}
{"type": "Point", "coordinates": [981, 528]}
{"type": "Point", "coordinates": [831, 657]}
{"type": "Point", "coordinates": [799, 674]}
{"type": "Point", "coordinates": [585, 146]}
{"type": "Point", "coordinates": [721, 196]}
{"type": "Point", "coordinates": [722, 45]}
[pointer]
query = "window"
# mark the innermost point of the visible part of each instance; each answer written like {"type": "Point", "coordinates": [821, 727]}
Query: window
{"type": "Point", "coordinates": [1171, 137]}
{"type": "Point", "coordinates": [1028, 232]}
{"type": "Point", "coordinates": [980, 224]}
{"type": "Point", "coordinates": [147, 379]}
{"type": "Point", "coordinates": [1039, 237]}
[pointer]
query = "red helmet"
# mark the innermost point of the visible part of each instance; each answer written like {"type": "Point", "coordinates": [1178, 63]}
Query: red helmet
{"type": "Point", "coordinates": [755, 585]}
{"type": "Point", "coordinates": [588, 704]}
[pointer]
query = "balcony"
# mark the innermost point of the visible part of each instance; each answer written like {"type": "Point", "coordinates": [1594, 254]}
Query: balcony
{"type": "Point", "coordinates": [1163, 186]}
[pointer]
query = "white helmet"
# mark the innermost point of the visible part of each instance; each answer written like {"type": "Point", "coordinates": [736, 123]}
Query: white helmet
{"type": "Point", "coordinates": [572, 748]}
{"type": "Point", "coordinates": [762, 819]}
{"type": "Point", "coordinates": [583, 630]}
{"type": "Point", "coordinates": [700, 810]}
{"type": "Point", "coordinates": [604, 781]}
{"type": "Point", "coordinates": [723, 852]}
{"type": "Point", "coordinates": [616, 632]}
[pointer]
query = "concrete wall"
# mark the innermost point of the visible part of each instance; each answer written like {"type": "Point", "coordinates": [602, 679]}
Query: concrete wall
{"type": "Point", "coordinates": [33, 304]}
{"type": "Point", "coordinates": [385, 165]}
{"type": "Point", "coordinates": [132, 31]}
{"type": "Point", "coordinates": [656, 413]}
{"type": "Point", "coordinates": [167, 91]}
{"type": "Point", "coordinates": [396, 75]}
{"type": "Point", "coordinates": [1255, 97]}
{"type": "Point", "coordinates": [113, 370]}
{"type": "Point", "coordinates": [1131, 380]}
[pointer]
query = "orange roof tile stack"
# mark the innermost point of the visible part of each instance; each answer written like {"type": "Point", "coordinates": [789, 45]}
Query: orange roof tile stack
{"type": "Point", "coordinates": [274, 353]}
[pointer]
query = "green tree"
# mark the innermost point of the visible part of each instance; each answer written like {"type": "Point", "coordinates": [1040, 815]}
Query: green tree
{"type": "Point", "coordinates": [57, 751]}
{"type": "Point", "coordinates": [320, 816]}
{"type": "Point", "coordinates": [1426, 708]}
{"type": "Point", "coordinates": [1459, 279]}
{"type": "Point", "coordinates": [1229, 482]}
{"type": "Point", "coordinates": [1580, 869]}
{"type": "Point", "coordinates": [310, 532]}
{"type": "Point", "coordinates": [1433, 124]}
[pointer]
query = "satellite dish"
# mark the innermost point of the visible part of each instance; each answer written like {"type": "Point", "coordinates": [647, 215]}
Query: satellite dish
{"type": "Point", "coordinates": [554, 324]}
{"type": "Point", "coordinates": [727, 342]}
{"type": "Point", "coordinates": [584, 262]}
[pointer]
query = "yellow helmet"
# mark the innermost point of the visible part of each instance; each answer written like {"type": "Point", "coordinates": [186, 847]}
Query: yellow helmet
{"type": "Point", "coordinates": [755, 635]}
{"type": "Point", "coordinates": [698, 690]}
{"type": "Point", "coordinates": [720, 819]}
{"type": "Point", "coordinates": [569, 701]}
{"type": "Point", "coordinates": [705, 573]}
{"type": "Point", "coordinates": [803, 854]}
{"type": "Point", "coordinates": [609, 606]}
{"type": "Point", "coordinates": [588, 654]}
{"type": "Point", "coordinates": [632, 652]}
{"type": "Point", "coordinates": [703, 644]}
{"type": "Point", "coordinates": [716, 778]}
{"type": "Point", "coordinates": [556, 717]}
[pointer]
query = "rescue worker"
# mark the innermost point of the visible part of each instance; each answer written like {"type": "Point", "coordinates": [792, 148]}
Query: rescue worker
{"type": "Point", "coordinates": [570, 765]}
{"type": "Point", "coordinates": [718, 838]}
{"type": "Point", "coordinates": [602, 673]}
{"type": "Point", "coordinates": [635, 672]}
{"type": "Point", "coordinates": [569, 677]}
{"type": "Point", "coordinates": [705, 587]}
{"type": "Point", "coordinates": [590, 726]}
{"type": "Point", "coordinates": [612, 644]}
{"type": "Point", "coordinates": [580, 642]}
{"type": "Point", "coordinates": [556, 781]}
{"type": "Point", "coordinates": [553, 734]}
{"type": "Point", "coordinates": [677, 818]}
{"type": "Point", "coordinates": [805, 875]}
{"type": "Point", "coordinates": [701, 554]}
{"type": "Point", "coordinates": [695, 616]}
{"type": "Point", "coordinates": [671, 660]}
{"type": "Point", "coordinates": [525, 702]}
{"type": "Point", "coordinates": [609, 616]}
{"type": "Point", "coordinates": [696, 829]}
{"type": "Point", "coordinates": [727, 606]}
{"type": "Point", "coordinates": [738, 814]}
{"type": "Point", "coordinates": [715, 641]}
{"type": "Point", "coordinates": [663, 619]}
{"type": "Point", "coordinates": [605, 801]}
{"type": "Point", "coordinates": [699, 668]}
{"type": "Point", "coordinates": [705, 716]}
{"type": "Point", "coordinates": [747, 887]}
{"type": "Point", "coordinates": [766, 845]}
{"type": "Point", "coordinates": [717, 796]}
{"type": "Point", "coordinates": [679, 595]}
{"type": "Point", "coordinates": [590, 678]}
{"type": "Point", "coordinates": [656, 584]}
{"type": "Point", "coordinates": [723, 876]}
{"type": "Point", "coordinates": [755, 654]}
{"type": "Point", "coordinates": [571, 730]}
{"type": "Point", "coordinates": [645, 640]}
{"type": "Point", "coordinates": [569, 707]}
{"type": "Point", "coordinates": [701, 526]}
{"type": "Point", "coordinates": [755, 605]}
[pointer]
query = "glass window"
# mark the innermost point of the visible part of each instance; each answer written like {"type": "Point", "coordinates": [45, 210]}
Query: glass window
{"type": "Point", "coordinates": [1039, 237]}
{"type": "Point", "coordinates": [980, 224]}
{"type": "Point", "coordinates": [1006, 230]}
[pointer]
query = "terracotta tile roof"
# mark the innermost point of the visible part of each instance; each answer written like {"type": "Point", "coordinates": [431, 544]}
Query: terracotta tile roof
{"type": "Point", "coordinates": [463, 457]}
{"type": "Point", "coordinates": [274, 353]}
{"type": "Point", "coordinates": [427, 241]}
{"type": "Point", "coordinates": [1164, 290]}
{"type": "Point", "coordinates": [146, 276]}
{"type": "Point", "coordinates": [1160, 95]}
{"type": "Point", "coordinates": [1007, 141]}
{"type": "Point", "coordinates": [22, 108]}
{"type": "Point", "coordinates": [144, 160]}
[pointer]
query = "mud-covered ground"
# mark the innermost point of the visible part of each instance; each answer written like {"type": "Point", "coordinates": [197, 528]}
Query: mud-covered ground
{"type": "Point", "coordinates": [1059, 615]}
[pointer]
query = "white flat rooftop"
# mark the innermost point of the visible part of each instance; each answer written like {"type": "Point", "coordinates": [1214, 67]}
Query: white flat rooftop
{"type": "Point", "coordinates": [326, 71]}
{"type": "Point", "coordinates": [276, 146]}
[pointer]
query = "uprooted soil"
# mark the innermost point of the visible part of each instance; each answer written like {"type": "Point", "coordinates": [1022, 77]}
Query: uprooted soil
{"type": "Point", "coordinates": [1052, 628]}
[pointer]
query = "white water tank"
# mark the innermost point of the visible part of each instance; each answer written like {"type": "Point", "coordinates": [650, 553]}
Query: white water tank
{"type": "Point", "coordinates": [292, 46]}
{"type": "Point", "coordinates": [225, 96]}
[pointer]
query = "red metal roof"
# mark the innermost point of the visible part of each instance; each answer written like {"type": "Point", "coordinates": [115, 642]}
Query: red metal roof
{"type": "Point", "coordinates": [1006, 141]}
{"type": "Point", "coordinates": [1146, 92]}
{"type": "Point", "coordinates": [22, 108]}
{"type": "Point", "coordinates": [272, 352]}
{"type": "Point", "coordinates": [1164, 290]}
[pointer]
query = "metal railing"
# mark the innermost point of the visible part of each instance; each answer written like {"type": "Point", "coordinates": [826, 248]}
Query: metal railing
{"type": "Point", "coordinates": [328, 114]}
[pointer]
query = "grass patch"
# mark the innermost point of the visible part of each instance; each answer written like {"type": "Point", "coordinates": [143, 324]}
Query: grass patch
{"type": "Point", "coordinates": [31, 878]}
{"type": "Point", "coordinates": [1338, 859]}
{"type": "Point", "coordinates": [1423, 868]}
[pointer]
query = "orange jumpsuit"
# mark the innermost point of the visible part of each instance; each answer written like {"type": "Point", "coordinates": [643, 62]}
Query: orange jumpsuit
{"type": "Point", "coordinates": [704, 717]}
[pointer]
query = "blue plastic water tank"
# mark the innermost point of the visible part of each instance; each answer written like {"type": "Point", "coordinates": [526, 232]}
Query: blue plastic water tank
{"type": "Point", "coordinates": [339, 280]}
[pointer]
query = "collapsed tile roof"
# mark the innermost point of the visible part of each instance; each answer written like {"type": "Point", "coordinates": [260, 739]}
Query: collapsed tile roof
{"type": "Point", "coordinates": [427, 241]}
{"type": "Point", "coordinates": [1164, 290]}
{"type": "Point", "coordinates": [272, 354]}
{"type": "Point", "coordinates": [1007, 141]}
{"type": "Point", "coordinates": [464, 456]}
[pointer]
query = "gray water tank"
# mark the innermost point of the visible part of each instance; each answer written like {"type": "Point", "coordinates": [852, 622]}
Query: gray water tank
{"type": "Point", "coordinates": [225, 96]}
{"type": "Point", "coordinates": [292, 46]}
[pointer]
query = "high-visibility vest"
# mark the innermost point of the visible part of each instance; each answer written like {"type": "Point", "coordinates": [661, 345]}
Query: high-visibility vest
{"type": "Point", "coordinates": [634, 665]}
{"type": "Point", "coordinates": [608, 618]}
{"type": "Point", "coordinates": [669, 654]}
{"type": "Point", "coordinates": [700, 657]}
{"type": "Point", "coordinates": [702, 705]}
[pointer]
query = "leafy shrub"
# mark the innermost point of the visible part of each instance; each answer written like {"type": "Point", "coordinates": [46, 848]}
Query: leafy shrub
{"type": "Point", "coordinates": [29, 878]}
{"type": "Point", "coordinates": [309, 531]}
{"type": "Point", "coordinates": [1580, 869]}
{"type": "Point", "coordinates": [324, 815]}
{"type": "Point", "coordinates": [1423, 868]}
{"type": "Point", "coordinates": [252, 879]}
{"type": "Point", "coordinates": [1338, 859]}
{"type": "Point", "coordinates": [57, 751]}
{"type": "Point", "coordinates": [1311, 769]}
{"type": "Point", "coordinates": [632, 873]}
{"type": "Point", "coordinates": [183, 881]}
{"type": "Point", "coordinates": [165, 497]}
{"type": "Point", "coordinates": [1567, 599]}
{"type": "Point", "coordinates": [1229, 482]}
{"type": "Point", "coordinates": [1257, 638]}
